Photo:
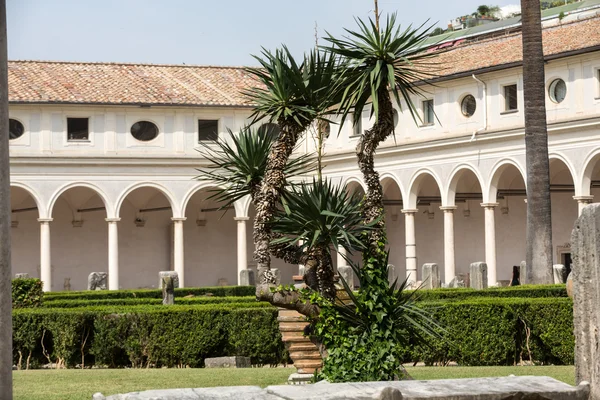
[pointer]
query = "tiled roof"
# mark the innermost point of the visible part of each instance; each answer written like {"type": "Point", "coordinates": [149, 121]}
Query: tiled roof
{"type": "Point", "coordinates": [112, 83]}
{"type": "Point", "coordinates": [506, 50]}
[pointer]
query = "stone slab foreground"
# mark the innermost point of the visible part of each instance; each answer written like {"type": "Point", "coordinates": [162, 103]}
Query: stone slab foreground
{"type": "Point", "coordinates": [505, 388]}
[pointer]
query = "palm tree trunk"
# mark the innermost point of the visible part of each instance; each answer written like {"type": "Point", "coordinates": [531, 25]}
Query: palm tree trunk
{"type": "Point", "coordinates": [365, 151]}
{"type": "Point", "coordinates": [5, 272]}
{"type": "Point", "coordinates": [539, 224]}
{"type": "Point", "coordinates": [270, 192]}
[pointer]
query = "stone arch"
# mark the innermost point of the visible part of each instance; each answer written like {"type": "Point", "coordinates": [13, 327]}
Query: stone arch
{"type": "Point", "coordinates": [560, 157]}
{"type": "Point", "coordinates": [388, 178]}
{"type": "Point", "coordinates": [166, 192]}
{"type": "Point", "coordinates": [490, 195]}
{"type": "Point", "coordinates": [94, 188]}
{"type": "Point", "coordinates": [449, 196]}
{"type": "Point", "coordinates": [353, 182]}
{"type": "Point", "coordinates": [190, 193]}
{"type": "Point", "coordinates": [34, 195]}
{"type": "Point", "coordinates": [584, 182]}
{"type": "Point", "coordinates": [415, 184]}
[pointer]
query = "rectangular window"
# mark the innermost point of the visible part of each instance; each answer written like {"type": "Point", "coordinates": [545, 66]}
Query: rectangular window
{"type": "Point", "coordinates": [428, 115]}
{"type": "Point", "coordinates": [510, 98]}
{"type": "Point", "coordinates": [356, 128]}
{"type": "Point", "coordinates": [77, 129]}
{"type": "Point", "coordinates": [208, 130]}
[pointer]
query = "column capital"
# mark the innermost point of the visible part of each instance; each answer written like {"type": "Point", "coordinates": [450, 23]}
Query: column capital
{"type": "Point", "coordinates": [109, 220]}
{"type": "Point", "coordinates": [178, 219]}
{"type": "Point", "coordinates": [448, 208]}
{"type": "Point", "coordinates": [241, 219]}
{"type": "Point", "coordinates": [490, 205]}
{"type": "Point", "coordinates": [583, 199]}
{"type": "Point", "coordinates": [409, 210]}
{"type": "Point", "coordinates": [45, 220]}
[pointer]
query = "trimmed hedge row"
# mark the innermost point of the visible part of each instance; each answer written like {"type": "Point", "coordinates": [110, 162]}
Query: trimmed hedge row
{"type": "Point", "coordinates": [142, 336]}
{"type": "Point", "coordinates": [501, 331]}
{"type": "Point", "coordinates": [203, 300]}
{"type": "Point", "coordinates": [513, 291]}
{"type": "Point", "coordinates": [220, 291]}
{"type": "Point", "coordinates": [27, 293]}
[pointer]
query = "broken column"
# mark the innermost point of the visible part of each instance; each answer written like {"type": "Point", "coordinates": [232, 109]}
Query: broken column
{"type": "Point", "coordinates": [431, 276]}
{"type": "Point", "coordinates": [478, 275]}
{"type": "Point", "coordinates": [98, 281]}
{"type": "Point", "coordinates": [585, 247]}
{"type": "Point", "coordinates": [559, 272]}
{"type": "Point", "coordinates": [173, 276]}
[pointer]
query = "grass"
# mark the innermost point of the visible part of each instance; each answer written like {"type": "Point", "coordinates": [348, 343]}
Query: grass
{"type": "Point", "coordinates": [82, 384]}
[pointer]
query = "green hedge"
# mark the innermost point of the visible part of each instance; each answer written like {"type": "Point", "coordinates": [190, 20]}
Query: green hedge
{"type": "Point", "coordinates": [514, 291]}
{"type": "Point", "coordinates": [27, 293]}
{"type": "Point", "coordinates": [494, 331]}
{"type": "Point", "coordinates": [76, 303]}
{"type": "Point", "coordinates": [142, 336]}
{"type": "Point", "coordinates": [221, 291]}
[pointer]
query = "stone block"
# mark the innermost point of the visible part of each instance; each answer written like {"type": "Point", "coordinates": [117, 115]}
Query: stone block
{"type": "Point", "coordinates": [22, 275]}
{"type": "Point", "coordinates": [347, 274]}
{"type": "Point", "coordinates": [585, 249]}
{"type": "Point", "coordinates": [523, 273]}
{"type": "Point", "coordinates": [168, 289]}
{"type": "Point", "coordinates": [300, 379]}
{"type": "Point", "coordinates": [269, 276]}
{"type": "Point", "coordinates": [98, 281]}
{"type": "Point", "coordinates": [228, 362]}
{"type": "Point", "coordinates": [503, 283]}
{"type": "Point", "coordinates": [174, 276]}
{"type": "Point", "coordinates": [222, 282]}
{"type": "Point", "coordinates": [559, 272]}
{"type": "Point", "coordinates": [431, 276]}
{"type": "Point", "coordinates": [459, 281]}
{"type": "Point", "coordinates": [392, 275]}
{"type": "Point", "coordinates": [247, 278]}
{"type": "Point", "coordinates": [478, 275]}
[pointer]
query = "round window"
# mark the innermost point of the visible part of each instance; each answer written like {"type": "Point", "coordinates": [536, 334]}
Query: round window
{"type": "Point", "coordinates": [557, 90]}
{"type": "Point", "coordinates": [15, 129]}
{"type": "Point", "coordinates": [144, 131]}
{"type": "Point", "coordinates": [269, 129]}
{"type": "Point", "coordinates": [468, 105]}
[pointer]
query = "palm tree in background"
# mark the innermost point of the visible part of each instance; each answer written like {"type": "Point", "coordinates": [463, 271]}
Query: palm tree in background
{"type": "Point", "coordinates": [539, 222]}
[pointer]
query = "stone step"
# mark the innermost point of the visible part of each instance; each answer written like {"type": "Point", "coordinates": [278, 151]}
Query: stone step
{"type": "Point", "coordinates": [306, 370]}
{"type": "Point", "coordinates": [305, 355]}
{"type": "Point", "coordinates": [300, 318]}
{"type": "Point", "coordinates": [302, 346]}
{"type": "Point", "coordinates": [292, 326]}
{"type": "Point", "coordinates": [308, 364]}
{"type": "Point", "coordinates": [289, 313]}
{"type": "Point", "coordinates": [294, 337]}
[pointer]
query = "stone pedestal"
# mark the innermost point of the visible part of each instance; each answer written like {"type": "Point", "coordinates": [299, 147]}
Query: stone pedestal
{"type": "Point", "coordinates": [585, 247]}
{"type": "Point", "coordinates": [247, 278]}
{"type": "Point", "coordinates": [559, 272]}
{"type": "Point", "coordinates": [98, 281]}
{"type": "Point", "coordinates": [431, 276]}
{"type": "Point", "coordinates": [478, 275]}
{"type": "Point", "coordinates": [174, 276]}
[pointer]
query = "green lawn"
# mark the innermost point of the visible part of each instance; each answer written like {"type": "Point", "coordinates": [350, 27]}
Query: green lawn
{"type": "Point", "coordinates": [81, 384]}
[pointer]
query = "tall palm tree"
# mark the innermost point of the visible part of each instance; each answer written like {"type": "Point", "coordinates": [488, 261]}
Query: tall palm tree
{"type": "Point", "coordinates": [293, 95]}
{"type": "Point", "coordinates": [5, 273]}
{"type": "Point", "coordinates": [539, 223]}
{"type": "Point", "coordinates": [379, 64]}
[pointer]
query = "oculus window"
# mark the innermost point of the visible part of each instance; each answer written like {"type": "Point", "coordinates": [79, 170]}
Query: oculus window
{"type": "Point", "coordinates": [78, 129]}
{"type": "Point", "coordinates": [15, 129]}
{"type": "Point", "coordinates": [208, 130]}
{"type": "Point", "coordinates": [269, 129]}
{"type": "Point", "coordinates": [510, 98]}
{"type": "Point", "coordinates": [557, 90]}
{"type": "Point", "coordinates": [144, 131]}
{"type": "Point", "coordinates": [468, 105]}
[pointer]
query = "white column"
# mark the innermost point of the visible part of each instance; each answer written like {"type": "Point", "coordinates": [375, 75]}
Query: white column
{"type": "Point", "coordinates": [583, 201]}
{"type": "Point", "coordinates": [242, 251]}
{"type": "Point", "coordinates": [341, 261]}
{"type": "Point", "coordinates": [449, 259]}
{"type": "Point", "coordinates": [45, 259]}
{"type": "Point", "coordinates": [411, 244]}
{"type": "Point", "coordinates": [490, 241]}
{"type": "Point", "coordinates": [178, 253]}
{"type": "Point", "coordinates": [113, 253]}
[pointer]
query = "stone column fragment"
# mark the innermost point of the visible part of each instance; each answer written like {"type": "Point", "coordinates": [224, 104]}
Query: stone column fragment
{"type": "Point", "coordinates": [97, 281]}
{"type": "Point", "coordinates": [174, 276]}
{"type": "Point", "coordinates": [247, 278]}
{"type": "Point", "coordinates": [168, 289]}
{"type": "Point", "coordinates": [431, 276]}
{"type": "Point", "coordinates": [478, 275]}
{"type": "Point", "coordinates": [585, 247]}
{"type": "Point", "coordinates": [559, 272]}
{"type": "Point", "coordinates": [347, 274]}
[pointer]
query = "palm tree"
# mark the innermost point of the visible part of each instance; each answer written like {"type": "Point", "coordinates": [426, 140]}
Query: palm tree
{"type": "Point", "coordinates": [5, 281]}
{"type": "Point", "coordinates": [539, 222]}
{"type": "Point", "coordinates": [293, 95]}
{"type": "Point", "coordinates": [377, 62]}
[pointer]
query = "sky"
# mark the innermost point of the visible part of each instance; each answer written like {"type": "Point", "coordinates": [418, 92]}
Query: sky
{"type": "Point", "coordinates": [201, 32]}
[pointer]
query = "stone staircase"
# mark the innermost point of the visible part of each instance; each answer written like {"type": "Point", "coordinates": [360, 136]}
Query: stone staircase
{"type": "Point", "coordinates": [303, 352]}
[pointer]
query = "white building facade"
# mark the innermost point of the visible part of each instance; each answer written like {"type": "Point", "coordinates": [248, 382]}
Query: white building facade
{"type": "Point", "coordinates": [104, 159]}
